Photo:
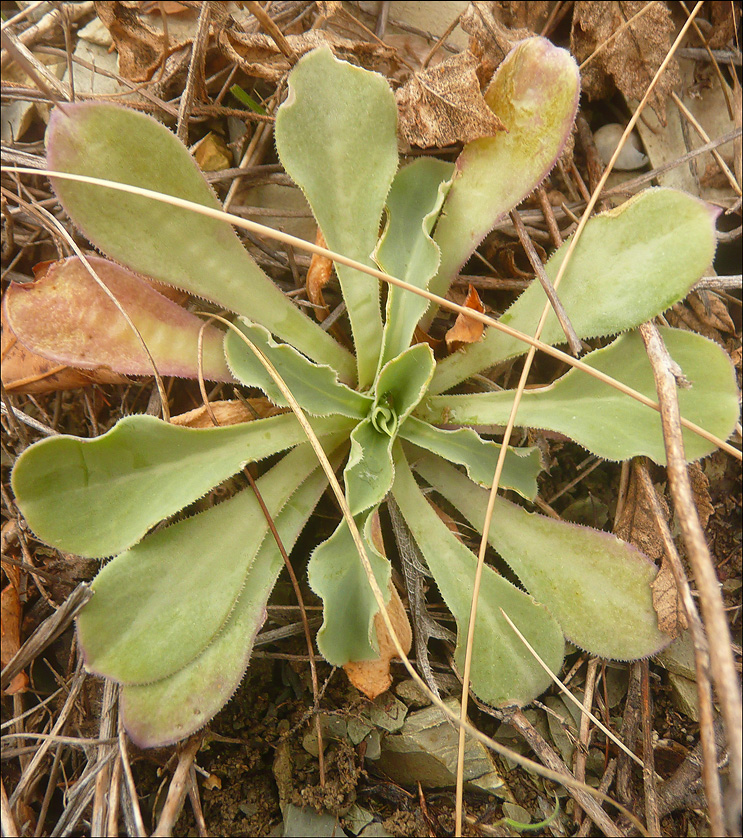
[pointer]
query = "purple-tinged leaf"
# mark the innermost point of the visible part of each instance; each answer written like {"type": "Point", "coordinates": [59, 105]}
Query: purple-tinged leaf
{"type": "Point", "coordinates": [67, 317]}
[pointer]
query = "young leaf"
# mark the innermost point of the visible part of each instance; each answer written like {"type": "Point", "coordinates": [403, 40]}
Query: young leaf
{"type": "Point", "coordinates": [67, 317]}
{"type": "Point", "coordinates": [479, 456]}
{"type": "Point", "coordinates": [174, 246]}
{"type": "Point", "coordinates": [135, 630]}
{"type": "Point", "coordinates": [336, 136]}
{"type": "Point", "coordinates": [503, 670]}
{"type": "Point", "coordinates": [595, 585]}
{"type": "Point", "coordinates": [630, 264]}
{"type": "Point", "coordinates": [170, 709]}
{"type": "Point", "coordinates": [406, 249]}
{"type": "Point", "coordinates": [400, 386]}
{"type": "Point", "coordinates": [535, 94]}
{"type": "Point", "coordinates": [97, 497]}
{"type": "Point", "coordinates": [316, 388]}
{"type": "Point", "coordinates": [602, 419]}
{"type": "Point", "coordinates": [337, 576]}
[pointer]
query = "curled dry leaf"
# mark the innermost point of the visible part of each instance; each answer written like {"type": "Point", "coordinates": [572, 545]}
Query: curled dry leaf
{"type": "Point", "coordinates": [444, 105]}
{"type": "Point", "coordinates": [318, 276]}
{"type": "Point", "coordinates": [259, 57]}
{"type": "Point", "coordinates": [466, 330]}
{"type": "Point", "coordinates": [491, 38]}
{"type": "Point", "coordinates": [66, 317]}
{"type": "Point", "coordinates": [11, 612]}
{"type": "Point", "coordinates": [24, 372]}
{"type": "Point", "coordinates": [230, 412]}
{"type": "Point", "coordinates": [372, 677]}
{"type": "Point", "coordinates": [141, 47]}
{"type": "Point", "coordinates": [631, 60]}
{"type": "Point", "coordinates": [667, 602]}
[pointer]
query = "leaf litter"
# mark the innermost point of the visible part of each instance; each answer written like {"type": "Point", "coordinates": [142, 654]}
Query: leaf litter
{"type": "Point", "coordinates": [439, 106]}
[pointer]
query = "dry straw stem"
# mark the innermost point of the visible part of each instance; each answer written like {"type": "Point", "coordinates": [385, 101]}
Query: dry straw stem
{"type": "Point", "coordinates": [517, 399]}
{"type": "Point", "coordinates": [301, 244]}
{"type": "Point", "coordinates": [722, 663]}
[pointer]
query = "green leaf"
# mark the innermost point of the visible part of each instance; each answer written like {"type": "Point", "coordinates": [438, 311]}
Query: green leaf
{"type": "Point", "coordinates": [369, 472]}
{"type": "Point", "coordinates": [630, 264]}
{"type": "Point", "coordinates": [403, 381]}
{"type": "Point", "coordinates": [67, 317]}
{"type": "Point", "coordinates": [157, 606]}
{"type": "Point", "coordinates": [336, 136]}
{"type": "Point", "coordinates": [161, 713]}
{"type": "Point", "coordinates": [503, 670]}
{"type": "Point", "coordinates": [595, 585]}
{"type": "Point", "coordinates": [406, 250]}
{"type": "Point", "coordinates": [478, 456]}
{"type": "Point", "coordinates": [316, 388]}
{"type": "Point", "coordinates": [337, 576]}
{"type": "Point", "coordinates": [174, 246]}
{"type": "Point", "coordinates": [400, 386]}
{"type": "Point", "coordinates": [97, 497]}
{"type": "Point", "coordinates": [535, 94]}
{"type": "Point", "coordinates": [605, 421]}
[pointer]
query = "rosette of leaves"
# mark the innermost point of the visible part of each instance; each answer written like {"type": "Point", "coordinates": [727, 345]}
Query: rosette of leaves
{"type": "Point", "coordinates": [175, 613]}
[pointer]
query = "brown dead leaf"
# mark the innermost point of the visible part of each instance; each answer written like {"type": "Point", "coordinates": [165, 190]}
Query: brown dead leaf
{"type": "Point", "coordinates": [636, 523]}
{"type": "Point", "coordinates": [466, 329]}
{"type": "Point", "coordinates": [25, 372]}
{"type": "Point", "coordinates": [11, 614]}
{"type": "Point", "coordinates": [258, 56]}
{"type": "Point", "coordinates": [700, 491]}
{"type": "Point", "coordinates": [318, 276]}
{"type": "Point", "coordinates": [141, 48]}
{"type": "Point", "coordinates": [373, 677]}
{"type": "Point", "coordinates": [444, 105]}
{"type": "Point", "coordinates": [724, 17]}
{"type": "Point", "coordinates": [231, 412]}
{"type": "Point", "coordinates": [491, 35]}
{"type": "Point", "coordinates": [667, 602]}
{"type": "Point", "coordinates": [630, 61]}
{"type": "Point", "coordinates": [705, 313]}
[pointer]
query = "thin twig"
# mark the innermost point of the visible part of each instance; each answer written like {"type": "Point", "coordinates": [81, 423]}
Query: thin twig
{"type": "Point", "coordinates": [544, 280]}
{"type": "Point", "coordinates": [178, 786]}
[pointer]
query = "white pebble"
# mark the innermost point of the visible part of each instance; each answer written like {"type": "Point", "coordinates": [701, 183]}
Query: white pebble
{"type": "Point", "coordinates": [607, 139]}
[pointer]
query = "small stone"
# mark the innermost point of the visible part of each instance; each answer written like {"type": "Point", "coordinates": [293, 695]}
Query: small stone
{"type": "Point", "coordinates": [412, 694]}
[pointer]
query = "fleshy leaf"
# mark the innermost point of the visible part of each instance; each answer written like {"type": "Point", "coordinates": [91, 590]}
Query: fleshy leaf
{"type": "Point", "coordinates": [479, 456]}
{"type": "Point", "coordinates": [336, 136]}
{"type": "Point", "coordinates": [170, 709]}
{"type": "Point", "coordinates": [630, 264]}
{"type": "Point", "coordinates": [406, 250]}
{"type": "Point", "coordinates": [337, 576]}
{"type": "Point", "coordinates": [174, 246]}
{"type": "Point", "coordinates": [316, 388]}
{"type": "Point", "coordinates": [157, 606]}
{"type": "Point", "coordinates": [534, 93]}
{"type": "Point", "coordinates": [503, 670]}
{"type": "Point", "coordinates": [400, 386]}
{"type": "Point", "coordinates": [369, 472]}
{"type": "Point", "coordinates": [595, 585]}
{"type": "Point", "coordinates": [608, 423]}
{"type": "Point", "coordinates": [97, 497]}
{"type": "Point", "coordinates": [67, 317]}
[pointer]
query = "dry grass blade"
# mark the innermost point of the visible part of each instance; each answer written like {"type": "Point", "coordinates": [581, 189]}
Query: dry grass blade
{"type": "Point", "coordinates": [517, 399]}
{"type": "Point", "coordinates": [301, 244]}
{"type": "Point", "coordinates": [563, 689]}
{"type": "Point", "coordinates": [555, 775]}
